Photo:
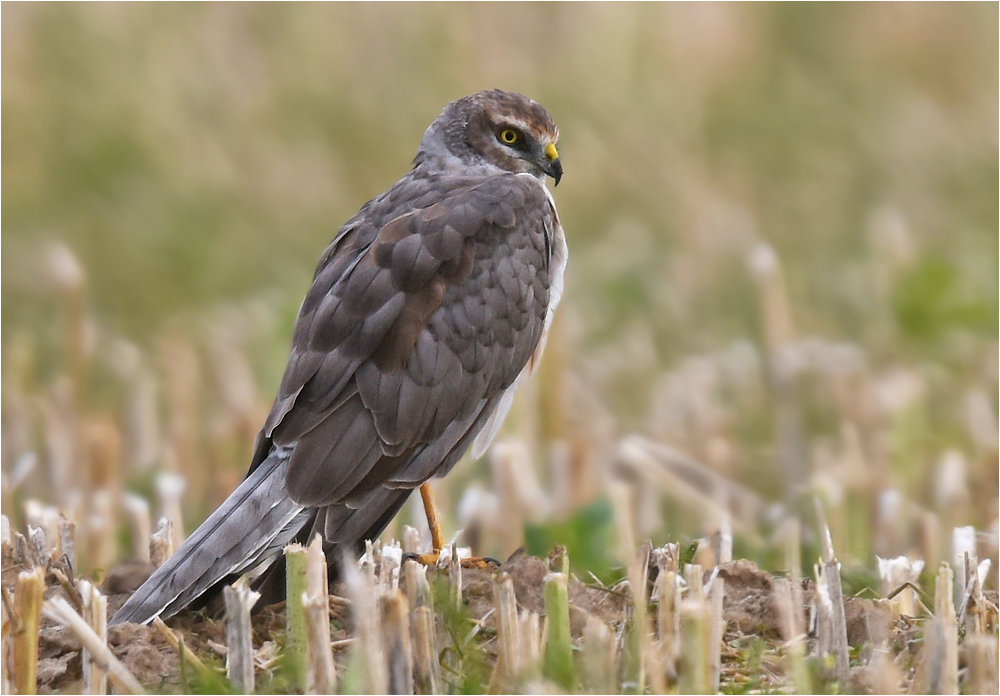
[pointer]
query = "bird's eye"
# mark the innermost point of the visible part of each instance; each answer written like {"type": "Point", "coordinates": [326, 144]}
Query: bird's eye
{"type": "Point", "coordinates": [509, 136]}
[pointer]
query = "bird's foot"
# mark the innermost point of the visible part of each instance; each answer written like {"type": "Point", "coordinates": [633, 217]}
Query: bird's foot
{"type": "Point", "coordinates": [431, 559]}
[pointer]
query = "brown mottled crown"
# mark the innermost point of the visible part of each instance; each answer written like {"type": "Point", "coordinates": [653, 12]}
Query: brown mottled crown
{"type": "Point", "coordinates": [501, 107]}
{"type": "Point", "coordinates": [469, 129]}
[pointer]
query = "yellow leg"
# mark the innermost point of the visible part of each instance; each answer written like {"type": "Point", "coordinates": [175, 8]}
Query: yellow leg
{"type": "Point", "coordinates": [437, 536]}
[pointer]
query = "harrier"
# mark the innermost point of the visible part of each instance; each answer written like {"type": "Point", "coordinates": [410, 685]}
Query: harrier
{"type": "Point", "coordinates": [425, 312]}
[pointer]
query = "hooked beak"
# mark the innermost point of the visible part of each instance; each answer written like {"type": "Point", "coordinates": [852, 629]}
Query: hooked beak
{"type": "Point", "coordinates": [553, 166]}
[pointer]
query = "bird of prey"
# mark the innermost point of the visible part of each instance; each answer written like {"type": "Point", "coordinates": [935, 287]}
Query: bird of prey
{"type": "Point", "coordinates": [428, 308]}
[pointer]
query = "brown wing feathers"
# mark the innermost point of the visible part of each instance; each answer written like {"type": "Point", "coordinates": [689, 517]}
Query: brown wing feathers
{"type": "Point", "coordinates": [411, 343]}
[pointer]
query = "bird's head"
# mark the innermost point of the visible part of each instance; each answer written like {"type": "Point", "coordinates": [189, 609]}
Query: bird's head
{"type": "Point", "coordinates": [505, 129]}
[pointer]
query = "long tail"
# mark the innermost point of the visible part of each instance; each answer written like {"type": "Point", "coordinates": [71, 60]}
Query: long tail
{"type": "Point", "coordinates": [255, 522]}
{"type": "Point", "coordinates": [249, 530]}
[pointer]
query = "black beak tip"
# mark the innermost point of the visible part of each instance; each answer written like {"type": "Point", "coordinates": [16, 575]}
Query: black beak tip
{"type": "Point", "coordinates": [556, 171]}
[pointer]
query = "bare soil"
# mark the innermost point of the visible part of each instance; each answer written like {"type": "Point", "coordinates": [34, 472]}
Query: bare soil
{"type": "Point", "coordinates": [749, 612]}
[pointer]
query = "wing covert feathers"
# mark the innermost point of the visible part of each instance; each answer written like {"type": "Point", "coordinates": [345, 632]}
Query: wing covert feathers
{"type": "Point", "coordinates": [434, 314]}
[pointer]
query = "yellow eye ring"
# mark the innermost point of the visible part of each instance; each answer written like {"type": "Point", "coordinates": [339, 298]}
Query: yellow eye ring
{"type": "Point", "coordinates": [509, 136]}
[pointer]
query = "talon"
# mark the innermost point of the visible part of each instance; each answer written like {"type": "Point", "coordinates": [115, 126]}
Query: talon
{"type": "Point", "coordinates": [431, 559]}
{"type": "Point", "coordinates": [424, 559]}
{"type": "Point", "coordinates": [481, 563]}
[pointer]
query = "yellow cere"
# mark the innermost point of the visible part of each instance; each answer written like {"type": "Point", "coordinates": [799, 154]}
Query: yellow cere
{"type": "Point", "coordinates": [551, 152]}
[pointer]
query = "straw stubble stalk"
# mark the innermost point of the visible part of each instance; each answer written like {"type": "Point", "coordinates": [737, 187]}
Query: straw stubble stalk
{"type": "Point", "coordinates": [296, 635]}
{"type": "Point", "coordinates": [973, 612]}
{"type": "Point", "coordinates": [21, 554]}
{"type": "Point", "coordinates": [930, 538]}
{"type": "Point", "coordinates": [963, 542]}
{"type": "Point", "coordinates": [170, 488]}
{"type": "Point", "coordinates": [559, 642]}
{"type": "Point", "coordinates": [59, 610]}
{"type": "Point", "coordinates": [39, 551]}
{"type": "Point", "coordinates": [518, 642]}
{"type": "Point", "coordinates": [239, 599]}
{"type": "Point", "coordinates": [316, 569]}
{"type": "Point", "coordinates": [668, 622]}
{"type": "Point", "coordinates": [95, 613]}
{"type": "Point", "coordinates": [717, 629]}
{"type": "Point", "coordinates": [367, 653]}
{"type": "Point", "coordinates": [62, 444]}
{"type": "Point", "coordinates": [455, 576]}
{"type": "Point", "coordinates": [725, 538]}
{"type": "Point", "coordinates": [415, 584]}
{"type": "Point", "coordinates": [832, 625]}
{"type": "Point", "coordinates": [137, 510]}
{"type": "Point", "coordinates": [6, 659]}
{"type": "Point", "coordinates": [791, 534]}
{"type": "Point", "coordinates": [655, 673]}
{"type": "Point", "coordinates": [598, 663]}
{"type": "Point", "coordinates": [6, 544]}
{"type": "Point", "coordinates": [45, 518]}
{"type": "Point", "coordinates": [505, 673]}
{"type": "Point", "coordinates": [411, 539]}
{"type": "Point", "coordinates": [778, 335]}
{"type": "Point", "coordinates": [71, 592]}
{"type": "Point", "coordinates": [766, 266]}
{"type": "Point", "coordinates": [395, 627]}
{"type": "Point", "coordinates": [161, 543]}
{"type": "Point", "coordinates": [425, 663]}
{"type": "Point", "coordinates": [695, 635]}
{"type": "Point", "coordinates": [831, 631]}
{"type": "Point", "coordinates": [790, 617]}
{"type": "Point", "coordinates": [102, 446]}
{"type": "Point", "coordinates": [321, 672]}
{"type": "Point", "coordinates": [204, 671]}
{"type": "Point", "coordinates": [621, 501]}
{"type": "Point", "coordinates": [69, 278]}
{"type": "Point", "coordinates": [695, 671]}
{"type": "Point", "coordinates": [28, 595]}
{"type": "Point", "coordinates": [388, 567]}
{"type": "Point", "coordinates": [981, 651]}
{"type": "Point", "coordinates": [941, 643]}
{"type": "Point", "coordinates": [886, 677]}
{"type": "Point", "coordinates": [369, 561]}
{"type": "Point", "coordinates": [67, 540]}
{"type": "Point", "coordinates": [558, 560]}
{"type": "Point", "coordinates": [529, 646]}
{"type": "Point", "coordinates": [183, 384]}
{"type": "Point", "coordinates": [640, 647]}
{"type": "Point", "coordinates": [694, 575]}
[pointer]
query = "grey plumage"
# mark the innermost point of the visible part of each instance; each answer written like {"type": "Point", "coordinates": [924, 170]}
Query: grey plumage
{"type": "Point", "coordinates": [424, 311]}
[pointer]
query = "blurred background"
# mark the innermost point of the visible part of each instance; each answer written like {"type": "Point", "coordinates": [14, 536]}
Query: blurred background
{"type": "Point", "coordinates": [781, 297]}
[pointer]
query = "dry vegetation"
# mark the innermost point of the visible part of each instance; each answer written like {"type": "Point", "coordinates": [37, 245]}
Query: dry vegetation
{"type": "Point", "coordinates": [780, 317]}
